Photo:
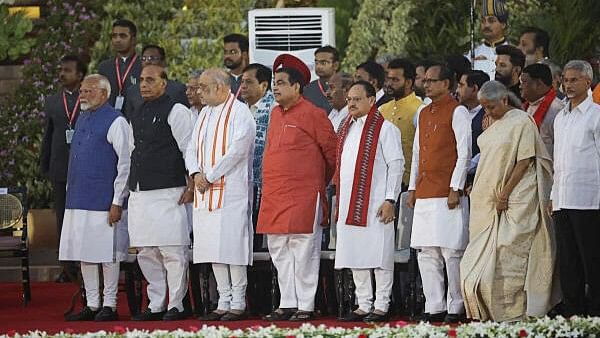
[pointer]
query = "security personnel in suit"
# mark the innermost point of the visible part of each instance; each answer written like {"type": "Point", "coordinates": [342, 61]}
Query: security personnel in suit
{"type": "Point", "coordinates": [62, 110]}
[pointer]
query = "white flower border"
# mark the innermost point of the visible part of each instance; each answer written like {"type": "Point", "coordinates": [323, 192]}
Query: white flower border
{"type": "Point", "coordinates": [537, 328]}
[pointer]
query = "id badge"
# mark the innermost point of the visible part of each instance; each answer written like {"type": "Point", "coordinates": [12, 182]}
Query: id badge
{"type": "Point", "coordinates": [69, 135]}
{"type": "Point", "coordinates": [119, 102]}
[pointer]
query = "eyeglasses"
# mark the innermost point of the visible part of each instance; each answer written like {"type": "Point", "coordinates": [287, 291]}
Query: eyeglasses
{"type": "Point", "coordinates": [430, 81]}
{"type": "Point", "coordinates": [231, 51]}
{"type": "Point", "coordinates": [88, 90]}
{"type": "Point", "coordinates": [151, 58]}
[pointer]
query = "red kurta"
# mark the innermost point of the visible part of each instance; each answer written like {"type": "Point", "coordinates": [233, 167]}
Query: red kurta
{"type": "Point", "coordinates": [298, 162]}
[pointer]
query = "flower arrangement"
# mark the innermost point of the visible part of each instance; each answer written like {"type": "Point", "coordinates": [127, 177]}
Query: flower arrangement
{"type": "Point", "coordinates": [538, 328]}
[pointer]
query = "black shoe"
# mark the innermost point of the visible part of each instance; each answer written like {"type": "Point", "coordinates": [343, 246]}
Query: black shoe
{"type": "Point", "coordinates": [106, 314]}
{"type": "Point", "coordinates": [148, 315]}
{"type": "Point", "coordinates": [376, 318]}
{"type": "Point", "coordinates": [233, 316]}
{"type": "Point", "coordinates": [213, 316]}
{"type": "Point", "coordinates": [434, 318]}
{"type": "Point", "coordinates": [354, 317]}
{"type": "Point", "coordinates": [302, 316]}
{"type": "Point", "coordinates": [280, 315]}
{"type": "Point", "coordinates": [173, 314]}
{"type": "Point", "coordinates": [453, 318]}
{"type": "Point", "coordinates": [85, 314]}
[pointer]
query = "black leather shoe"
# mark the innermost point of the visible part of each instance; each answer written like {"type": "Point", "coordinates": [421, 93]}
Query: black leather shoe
{"type": "Point", "coordinates": [85, 314]}
{"type": "Point", "coordinates": [233, 316]}
{"type": "Point", "coordinates": [173, 314]}
{"type": "Point", "coordinates": [213, 316]}
{"type": "Point", "coordinates": [107, 314]}
{"type": "Point", "coordinates": [280, 315]}
{"type": "Point", "coordinates": [354, 317]}
{"type": "Point", "coordinates": [434, 318]}
{"type": "Point", "coordinates": [302, 316]}
{"type": "Point", "coordinates": [453, 318]}
{"type": "Point", "coordinates": [376, 317]}
{"type": "Point", "coordinates": [148, 315]}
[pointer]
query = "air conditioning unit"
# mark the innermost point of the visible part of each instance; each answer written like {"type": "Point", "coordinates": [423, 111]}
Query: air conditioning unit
{"type": "Point", "coordinates": [296, 31]}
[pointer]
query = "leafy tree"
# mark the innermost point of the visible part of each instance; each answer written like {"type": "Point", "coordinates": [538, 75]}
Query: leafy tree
{"type": "Point", "coordinates": [194, 36]}
{"type": "Point", "coordinates": [150, 18]}
{"type": "Point", "coordinates": [14, 41]}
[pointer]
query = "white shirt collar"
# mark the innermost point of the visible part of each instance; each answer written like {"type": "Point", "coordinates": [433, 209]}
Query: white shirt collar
{"type": "Point", "coordinates": [379, 94]}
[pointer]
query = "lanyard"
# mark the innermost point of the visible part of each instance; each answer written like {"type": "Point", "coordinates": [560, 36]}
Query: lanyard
{"type": "Point", "coordinates": [121, 80]}
{"type": "Point", "coordinates": [321, 88]}
{"type": "Point", "coordinates": [70, 115]}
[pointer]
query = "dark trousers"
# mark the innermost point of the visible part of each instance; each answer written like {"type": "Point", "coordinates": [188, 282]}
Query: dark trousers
{"type": "Point", "coordinates": [60, 195]}
{"type": "Point", "coordinates": [578, 242]}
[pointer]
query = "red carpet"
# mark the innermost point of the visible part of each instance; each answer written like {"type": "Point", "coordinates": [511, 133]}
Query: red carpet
{"type": "Point", "coordinates": [49, 301]}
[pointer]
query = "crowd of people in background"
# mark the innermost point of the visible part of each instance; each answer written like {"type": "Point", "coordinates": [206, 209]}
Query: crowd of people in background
{"type": "Point", "coordinates": [497, 152]}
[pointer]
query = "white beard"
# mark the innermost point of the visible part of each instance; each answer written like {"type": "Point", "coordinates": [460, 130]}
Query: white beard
{"type": "Point", "coordinates": [84, 105]}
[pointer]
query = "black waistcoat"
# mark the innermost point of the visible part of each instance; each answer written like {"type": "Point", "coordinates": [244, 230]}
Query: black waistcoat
{"type": "Point", "coordinates": [156, 161]}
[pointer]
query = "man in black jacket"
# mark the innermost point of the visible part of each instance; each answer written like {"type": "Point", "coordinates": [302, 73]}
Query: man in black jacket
{"type": "Point", "coordinates": [124, 69]}
{"type": "Point", "coordinates": [154, 55]}
{"type": "Point", "coordinates": [62, 110]}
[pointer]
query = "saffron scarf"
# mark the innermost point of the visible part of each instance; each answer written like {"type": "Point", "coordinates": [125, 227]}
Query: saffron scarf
{"type": "Point", "coordinates": [219, 146]}
{"type": "Point", "coordinates": [542, 109]}
{"type": "Point", "coordinates": [363, 171]}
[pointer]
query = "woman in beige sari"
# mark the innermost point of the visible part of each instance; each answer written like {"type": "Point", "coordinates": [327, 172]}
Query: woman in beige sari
{"type": "Point", "coordinates": [507, 270]}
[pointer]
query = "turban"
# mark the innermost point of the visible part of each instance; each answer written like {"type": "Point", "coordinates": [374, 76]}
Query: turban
{"type": "Point", "coordinates": [290, 61]}
{"type": "Point", "coordinates": [495, 8]}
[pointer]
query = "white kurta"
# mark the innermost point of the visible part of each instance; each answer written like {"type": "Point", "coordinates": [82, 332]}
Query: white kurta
{"type": "Point", "coordinates": [485, 58]}
{"type": "Point", "coordinates": [86, 234]}
{"type": "Point", "coordinates": [433, 223]}
{"type": "Point", "coordinates": [155, 218]}
{"type": "Point", "coordinates": [372, 246]}
{"type": "Point", "coordinates": [224, 235]}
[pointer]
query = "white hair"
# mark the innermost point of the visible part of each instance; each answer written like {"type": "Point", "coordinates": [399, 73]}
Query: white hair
{"type": "Point", "coordinates": [101, 80]}
{"type": "Point", "coordinates": [492, 91]}
{"type": "Point", "coordinates": [581, 66]}
{"type": "Point", "coordinates": [220, 76]}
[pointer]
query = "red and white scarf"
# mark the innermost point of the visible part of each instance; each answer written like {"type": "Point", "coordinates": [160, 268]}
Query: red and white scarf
{"type": "Point", "coordinates": [363, 171]}
{"type": "Point", "coordinates": [542, 109]}
{"type": "Point", "coordinates": [219, 147]}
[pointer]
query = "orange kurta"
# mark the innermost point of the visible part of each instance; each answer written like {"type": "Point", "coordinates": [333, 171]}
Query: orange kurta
{"type": "Point", "coordinates": [298, 162]}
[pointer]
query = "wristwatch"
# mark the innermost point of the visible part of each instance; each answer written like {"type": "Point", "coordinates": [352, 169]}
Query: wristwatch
{"type": "Point", "coordinates": [391, 201]}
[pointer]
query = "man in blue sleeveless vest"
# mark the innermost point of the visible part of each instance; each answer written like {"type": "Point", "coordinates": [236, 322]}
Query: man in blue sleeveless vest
{"type": "Point", "coordinates": [93, 232]}
{"type": "Point", "coordinates": [158, 222]}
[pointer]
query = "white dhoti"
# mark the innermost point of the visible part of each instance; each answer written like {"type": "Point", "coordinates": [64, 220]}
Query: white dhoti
{"type": "Point", "coordinates": [296, 258]}
{"type": "Point", "coordinates": [87, 237]}
{"type": "Point", "coordinates": [441, 235]}
{"type": "Point", "coordinates": [158, 227]}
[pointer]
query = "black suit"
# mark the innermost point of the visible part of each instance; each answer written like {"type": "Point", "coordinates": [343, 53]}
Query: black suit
{"type": "Point", "coordinates": [383, 100]}
{"type": "Point", "coordinates": [107, 68]}
{"type": "Point", "coordinates": [312, 92]}
{"type": "Point", "coordinates": [54, 158]}
{"type": "Point", "coordinates": [174, 89]}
